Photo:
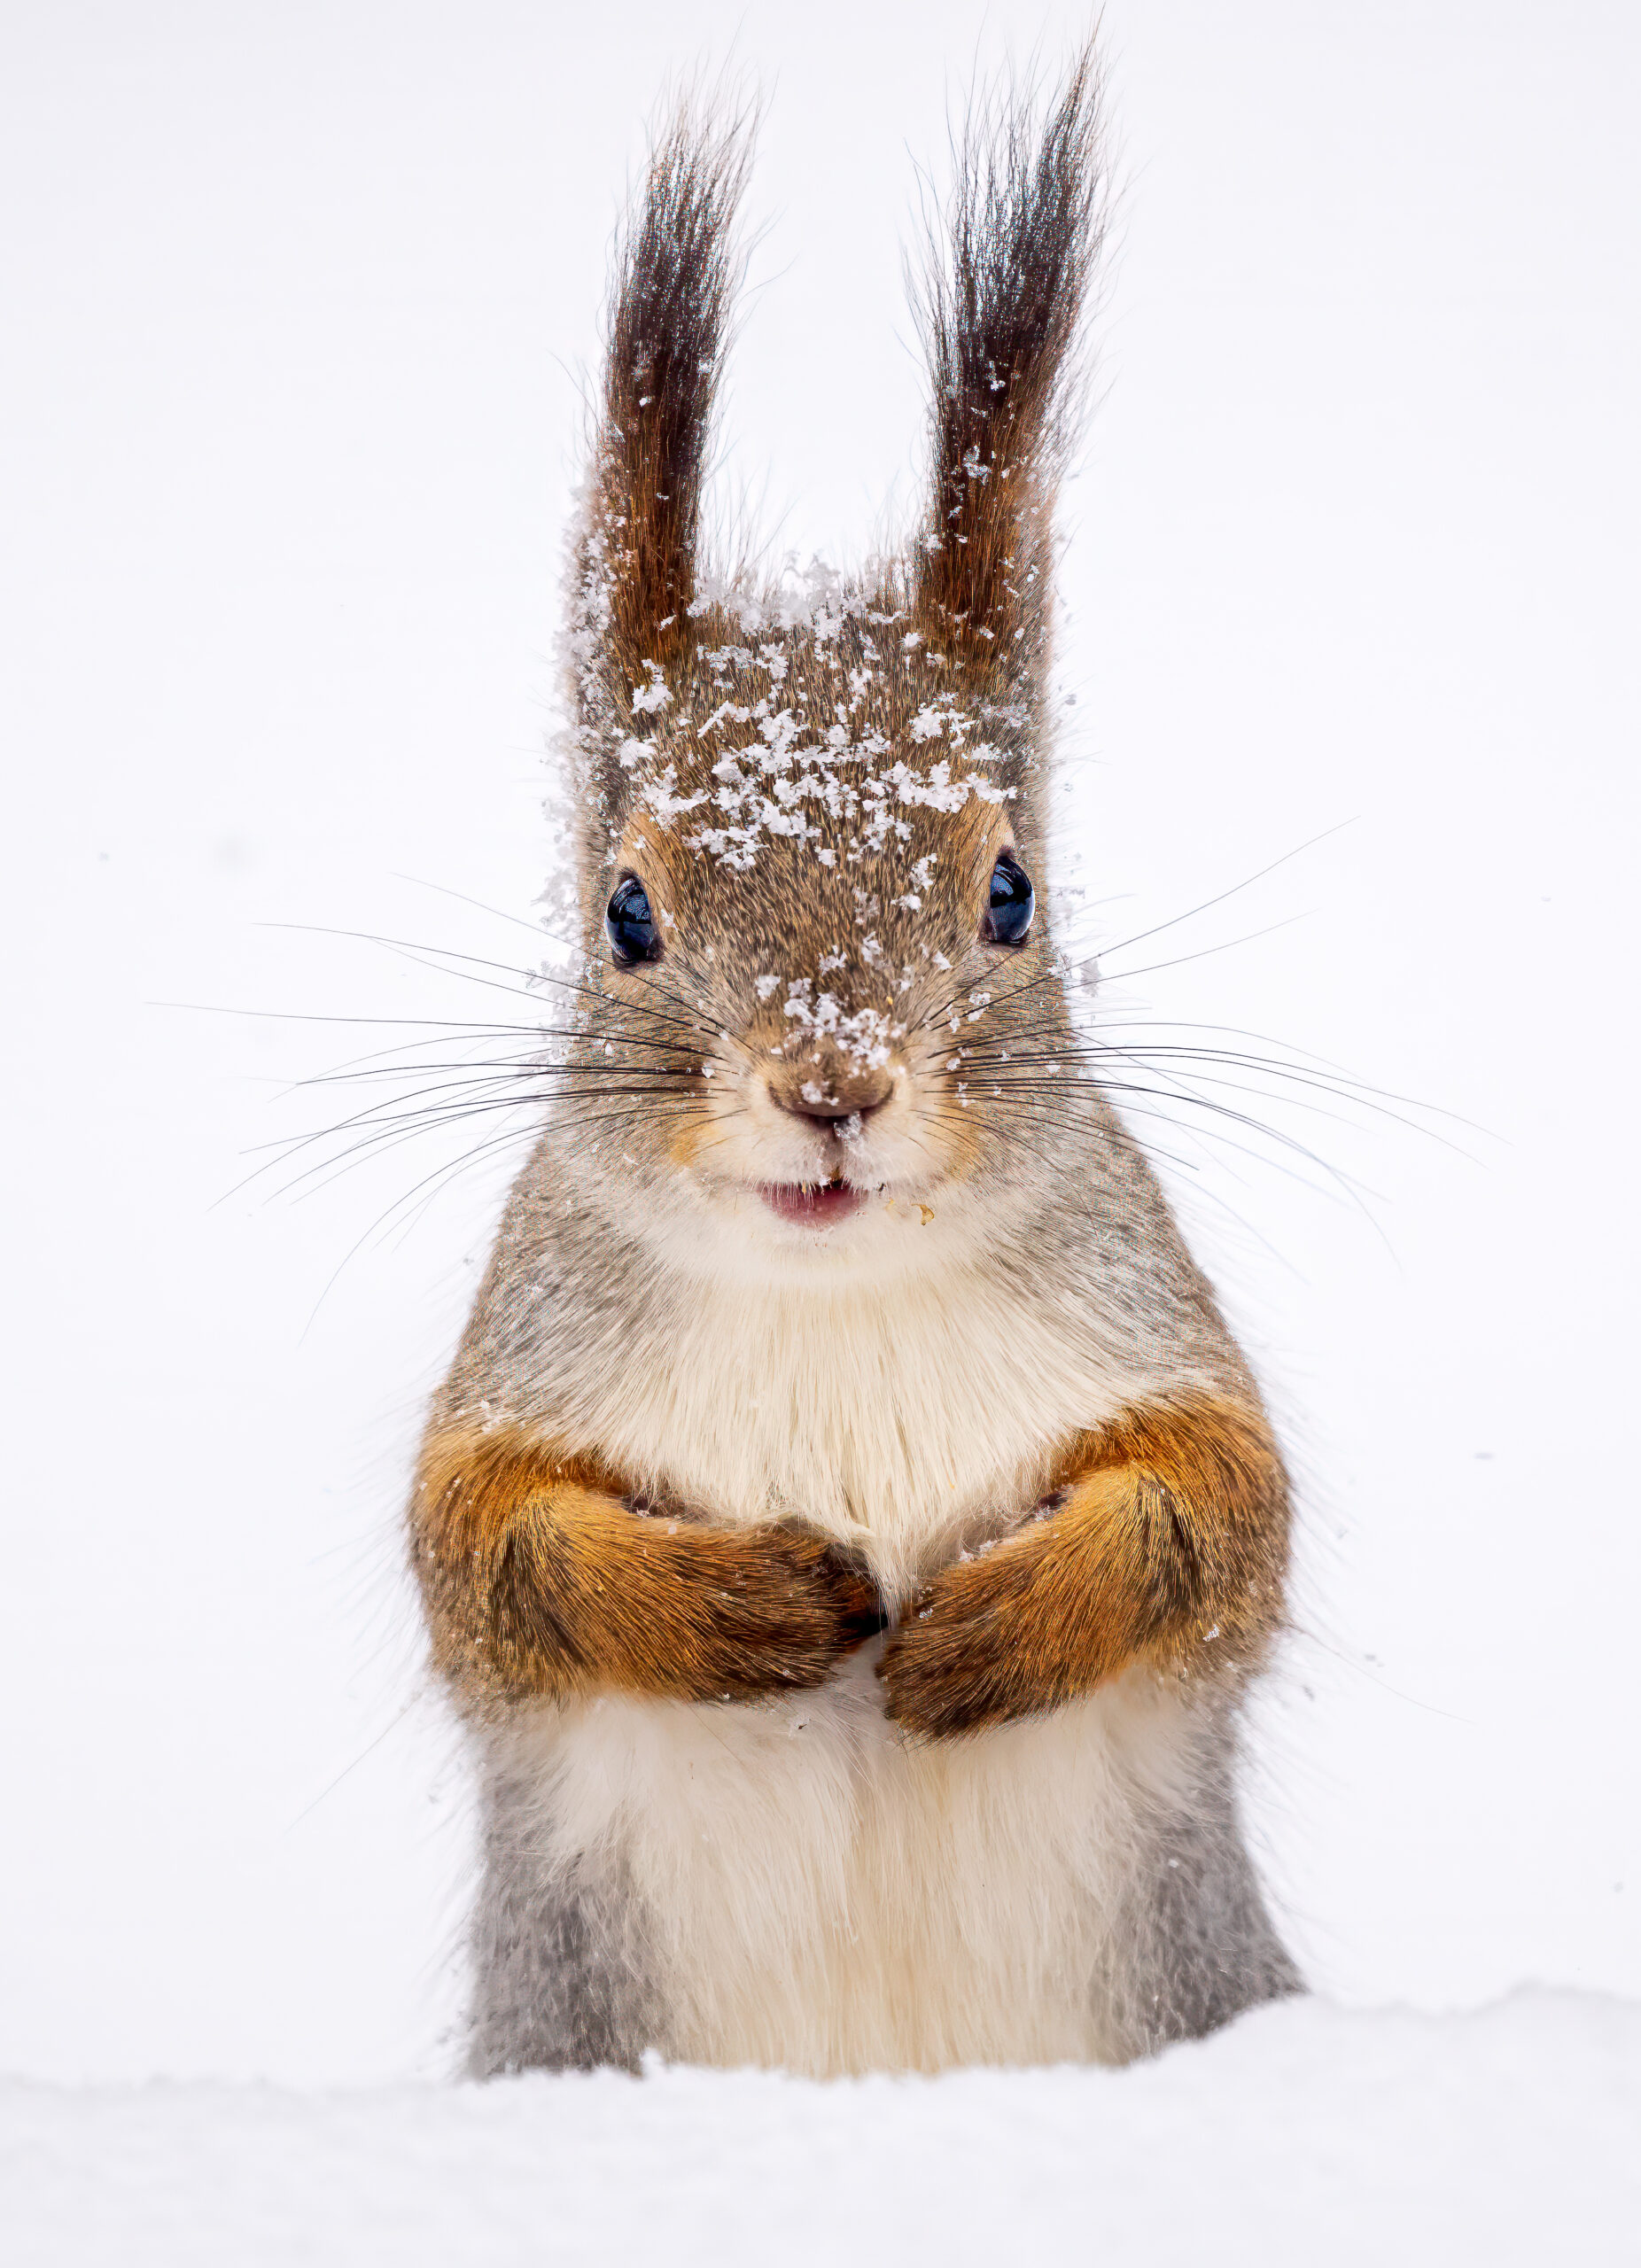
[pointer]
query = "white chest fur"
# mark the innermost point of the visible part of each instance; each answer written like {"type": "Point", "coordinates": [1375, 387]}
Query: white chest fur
{"type": "Point", "coordinates": [889, 1418]}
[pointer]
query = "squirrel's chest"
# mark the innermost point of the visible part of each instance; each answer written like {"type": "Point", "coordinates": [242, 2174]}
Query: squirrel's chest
{"type": "Point", "coordinates": [892, 1424]}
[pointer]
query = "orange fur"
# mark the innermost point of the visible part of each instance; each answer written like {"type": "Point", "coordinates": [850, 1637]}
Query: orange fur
{"type": "Point", "coordinates": [541, 1580]}
{"type": "Point", "coordinates": [1163, 1541]}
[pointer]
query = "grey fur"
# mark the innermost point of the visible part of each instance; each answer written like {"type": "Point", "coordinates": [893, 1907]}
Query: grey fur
{"type": "Point", "coordinates": [563, 1979]}
{"type": "Point", "coordinates": [1196, 1944]}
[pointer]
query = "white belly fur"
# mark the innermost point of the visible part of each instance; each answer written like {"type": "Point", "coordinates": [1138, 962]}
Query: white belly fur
{"type": "Point", "coordinates": [823, 1895]}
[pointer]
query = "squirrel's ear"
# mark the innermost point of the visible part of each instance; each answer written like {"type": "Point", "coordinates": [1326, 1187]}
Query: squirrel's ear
{"type": "Point", "coordinates": [676, 271]}
{"type": "Point", "coordinates": [1001, 303]}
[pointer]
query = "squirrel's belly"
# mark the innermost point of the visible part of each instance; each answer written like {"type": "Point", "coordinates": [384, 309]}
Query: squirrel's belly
{"type": "Point", "coordinates": [816, 1893]}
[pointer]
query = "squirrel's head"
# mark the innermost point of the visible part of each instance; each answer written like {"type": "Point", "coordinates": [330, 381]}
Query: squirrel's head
{"type": "Point", "coordinates": [823, 1005]}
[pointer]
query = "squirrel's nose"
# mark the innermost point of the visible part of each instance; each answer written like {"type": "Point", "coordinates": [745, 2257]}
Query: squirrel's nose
{"type": "Point", "coordinates": [825, 1099]}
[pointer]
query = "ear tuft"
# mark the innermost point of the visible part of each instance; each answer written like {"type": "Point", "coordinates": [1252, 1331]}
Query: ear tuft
{"type": "Point", "coordinates": [677, 268]}
{"type": "Point", "coordinates": [1002, 306]}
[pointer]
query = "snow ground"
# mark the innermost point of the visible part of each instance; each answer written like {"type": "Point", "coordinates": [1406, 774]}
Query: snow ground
{"type": "Point", "coordinates": [1305, 2133]}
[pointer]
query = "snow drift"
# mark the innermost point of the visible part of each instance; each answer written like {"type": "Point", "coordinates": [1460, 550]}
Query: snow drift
{"type": "Point", "coordinates": [1304, 2134]}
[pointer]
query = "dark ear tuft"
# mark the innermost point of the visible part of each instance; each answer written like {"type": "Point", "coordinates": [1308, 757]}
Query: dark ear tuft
{"type": "Point", "coordinates": [1001, 313]}
{"type": "Point", "coordinates": [676, 272]}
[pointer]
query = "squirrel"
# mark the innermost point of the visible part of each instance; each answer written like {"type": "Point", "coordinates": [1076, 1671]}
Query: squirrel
{"type": "Point", "coordinates": [849, 1529]}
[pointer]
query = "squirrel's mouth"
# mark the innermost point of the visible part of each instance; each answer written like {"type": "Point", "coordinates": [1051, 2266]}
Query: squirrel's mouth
{"type": "Point", "coordinates": [811, 1204]}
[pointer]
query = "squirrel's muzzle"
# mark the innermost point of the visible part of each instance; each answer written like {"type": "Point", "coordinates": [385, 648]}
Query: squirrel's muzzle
{"type": "Point", "coordinates": [826, 1094]}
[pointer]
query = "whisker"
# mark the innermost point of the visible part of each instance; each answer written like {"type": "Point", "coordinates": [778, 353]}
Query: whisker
{"type": "Point", "coordinates": [435, 957]}
{"type": "Point", "coordinates": [1139, 936]}
{"type": "Point", "coordinates": [1152, 968]}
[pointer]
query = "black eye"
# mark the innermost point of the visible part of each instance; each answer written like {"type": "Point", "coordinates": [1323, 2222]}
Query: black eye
{"type": "Point", "coordinates": [629, 924]}
{"type": "Point", "coordinates": [1012, 904]}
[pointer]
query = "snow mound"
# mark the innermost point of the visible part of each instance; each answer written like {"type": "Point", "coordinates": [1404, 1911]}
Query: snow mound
{"type": "Point", "coordinates": [1302, 2134]}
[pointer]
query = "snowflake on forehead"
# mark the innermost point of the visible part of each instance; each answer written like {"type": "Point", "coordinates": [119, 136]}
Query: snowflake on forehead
{"type": "Point", "coordinates": [844, 785]}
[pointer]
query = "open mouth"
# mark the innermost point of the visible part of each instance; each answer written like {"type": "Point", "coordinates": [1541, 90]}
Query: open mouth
{"type": "Point", "coordinates": [811, 1204]}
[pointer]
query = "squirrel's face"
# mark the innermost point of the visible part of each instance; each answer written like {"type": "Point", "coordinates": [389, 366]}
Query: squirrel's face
{"type": "Point", "coordinates": [823, 1021]}
{"type": "Point", "coordinates": [817, 931]}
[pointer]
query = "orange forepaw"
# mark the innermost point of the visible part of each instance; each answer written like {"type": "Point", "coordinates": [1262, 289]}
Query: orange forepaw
{"type": "Point", "coordinates": [542, 1580]}
{"type": "Point", "coordinates": [1164, 1541]}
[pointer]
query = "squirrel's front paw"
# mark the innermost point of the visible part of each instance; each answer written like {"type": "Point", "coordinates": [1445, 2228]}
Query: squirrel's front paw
{"type": "Point", "coordinates": [779, 1613]}
{"type": "Point", "coordinates": [976, 1648]}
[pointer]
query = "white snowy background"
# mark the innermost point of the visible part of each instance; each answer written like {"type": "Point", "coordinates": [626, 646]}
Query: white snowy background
{"type": "Point", "coordinates": [296, 302]}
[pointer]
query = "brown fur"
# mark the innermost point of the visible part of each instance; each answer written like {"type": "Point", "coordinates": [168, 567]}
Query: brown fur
{"type": "Point", "coordinates": [1164, 1541]}
{"type": "Point", "coordinates": [1000, 320]}
{"type": "Point", "coordinates": [668, 321]}
{"type": "Point", "coordinates": [541, 1580]}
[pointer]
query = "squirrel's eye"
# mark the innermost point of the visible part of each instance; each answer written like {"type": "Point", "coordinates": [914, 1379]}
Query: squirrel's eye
{"type": "Point", "coordinates": [1012, 904]}
{"type": "Point", "coordinates": [629, 924]}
